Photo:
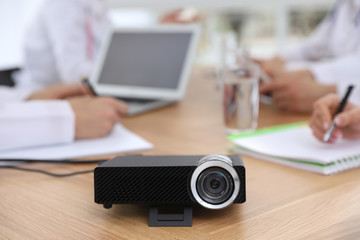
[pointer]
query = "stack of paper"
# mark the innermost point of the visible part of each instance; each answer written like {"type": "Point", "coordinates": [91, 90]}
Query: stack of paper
{"type": "Point", "coordinates": [294, 145]}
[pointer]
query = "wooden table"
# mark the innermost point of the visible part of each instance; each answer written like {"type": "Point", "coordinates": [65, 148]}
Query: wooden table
{"type": "Point", "coordinates": [282, 202]}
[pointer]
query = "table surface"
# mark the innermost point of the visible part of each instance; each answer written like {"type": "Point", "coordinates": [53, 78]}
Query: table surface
{"type": "Point", "coordinates": [282, 202]}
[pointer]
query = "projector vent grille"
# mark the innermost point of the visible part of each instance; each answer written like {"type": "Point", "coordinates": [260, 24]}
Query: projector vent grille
{"type": "Point", "coordinates": [160, 185]}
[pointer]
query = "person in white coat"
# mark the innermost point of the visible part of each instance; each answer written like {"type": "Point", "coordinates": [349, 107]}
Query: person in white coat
{"type": "Point", "coordinates": [58, 114]}
{"type": "Point", "coordinates": [62, 41]}
{"type": "Point", "coordinates": [332, 59]}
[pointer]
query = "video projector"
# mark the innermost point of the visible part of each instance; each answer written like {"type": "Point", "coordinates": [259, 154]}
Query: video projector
{"type": "Point", "coordinates": [212, 181]}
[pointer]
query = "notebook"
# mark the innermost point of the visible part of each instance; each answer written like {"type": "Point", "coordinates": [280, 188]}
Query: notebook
{"type": "Point", "coordinates": [120, 140]}
{"type": "Point", "coordinates": [295, 146]}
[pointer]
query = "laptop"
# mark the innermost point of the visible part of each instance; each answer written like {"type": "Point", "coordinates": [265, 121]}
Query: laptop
{"type": "Point", "coordinates": [146, 67]}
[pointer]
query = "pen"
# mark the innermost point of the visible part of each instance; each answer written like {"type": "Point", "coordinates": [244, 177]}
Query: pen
{"type": "Point", "coordinates": [88, 85]}
{"type": "Point", "coordinates": [339, 110]}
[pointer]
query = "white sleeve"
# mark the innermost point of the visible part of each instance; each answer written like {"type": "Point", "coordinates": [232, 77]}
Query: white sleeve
{"type": "Point", "coordinates": [35, 123]}
{"type": "Point", "coordinates": [337, 70]}
{"type": "Point", "coordinates": [342, 72]}
{"type": "Point", "coordinates": [314, 47]}
{"type": "Point", "coordinates": [65, 25]}
{"type": "Point", "coordinates": [9, 94]}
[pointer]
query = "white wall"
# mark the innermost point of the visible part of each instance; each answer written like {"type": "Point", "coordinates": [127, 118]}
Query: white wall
{"type": "Point", "coordinates": [214, 4]}
{"type": "Point", "coordinates": [15, 14]}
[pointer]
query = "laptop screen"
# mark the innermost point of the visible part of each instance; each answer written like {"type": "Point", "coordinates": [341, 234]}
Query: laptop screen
{"type": "Point", "coordinates": [145, 59]}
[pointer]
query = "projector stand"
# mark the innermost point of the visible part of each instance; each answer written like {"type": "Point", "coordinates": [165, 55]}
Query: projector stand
{"type": "Point", "coordinates": [167, 219]}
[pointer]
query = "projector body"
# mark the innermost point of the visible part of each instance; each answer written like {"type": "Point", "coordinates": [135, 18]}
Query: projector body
{"type": "Point", "coordinates": [213, 181]}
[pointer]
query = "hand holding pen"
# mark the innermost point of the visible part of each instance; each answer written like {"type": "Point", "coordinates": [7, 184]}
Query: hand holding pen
{"type": "Point", "coordinates": [339, 119]}
{"type": "Point", "coordinates": [121, 106]}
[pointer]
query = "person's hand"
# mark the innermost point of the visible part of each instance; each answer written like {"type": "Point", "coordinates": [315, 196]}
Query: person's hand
{"type": "Point", "coordinates": [347, 122]}
{"type": "Point", "coordinates": [59, 91]}
{"type": "Point", "coordinates": [181, 16]}
{"type": "Point", "coordinates": [295, 91]}
{"type": "Point", "coordinates": [96, 117]}
{"type": "Point", "coordinates": [272, 66]}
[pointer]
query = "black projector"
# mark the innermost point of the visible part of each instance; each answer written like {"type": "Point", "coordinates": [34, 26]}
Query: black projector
{"type": "Point", "coordinates": [213, 181]}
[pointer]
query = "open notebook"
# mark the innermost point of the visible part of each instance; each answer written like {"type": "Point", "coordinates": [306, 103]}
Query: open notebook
{"type": "Point", "coordinates": [294, 145]}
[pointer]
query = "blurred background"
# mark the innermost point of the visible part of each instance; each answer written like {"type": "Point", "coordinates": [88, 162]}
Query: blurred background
{"type": "Point", "coordinates": [263, 27]}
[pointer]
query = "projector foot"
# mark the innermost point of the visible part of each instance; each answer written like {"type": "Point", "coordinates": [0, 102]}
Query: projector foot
{"type": "Point", "coordinates": [157, 219]}
{"type": "Point", "coordinates": [107, 205]}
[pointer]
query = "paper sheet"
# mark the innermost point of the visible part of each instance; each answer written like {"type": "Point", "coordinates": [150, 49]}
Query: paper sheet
{"type": "Point", "coordinates": [119, 141]}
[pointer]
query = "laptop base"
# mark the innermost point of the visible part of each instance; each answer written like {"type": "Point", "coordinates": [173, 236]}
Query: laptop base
{"type": "Point", "coordinates": [138, 106]}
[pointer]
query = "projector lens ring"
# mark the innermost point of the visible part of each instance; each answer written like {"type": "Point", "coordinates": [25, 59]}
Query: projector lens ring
{"type": "Point", "coordinates": [215, 184]}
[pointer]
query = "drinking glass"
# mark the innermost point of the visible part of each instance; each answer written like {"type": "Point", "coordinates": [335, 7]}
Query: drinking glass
{"type": "Point", "coordinates": [240, 97]}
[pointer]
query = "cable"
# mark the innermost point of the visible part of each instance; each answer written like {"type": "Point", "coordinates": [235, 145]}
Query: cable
{"type": "Point", "coordinates": [64, 161]}
{"type": "Point", "coordinates": [46, 172]}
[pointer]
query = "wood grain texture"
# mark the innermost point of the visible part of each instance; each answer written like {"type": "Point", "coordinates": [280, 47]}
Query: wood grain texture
{"type": "Point", "coordinates": [282, 202]}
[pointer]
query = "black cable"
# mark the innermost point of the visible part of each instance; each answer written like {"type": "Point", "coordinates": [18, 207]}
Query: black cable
{"type": "Point", "coordinates": [64, 161]}
{"type": "Point", "coordinates": [46, 172]}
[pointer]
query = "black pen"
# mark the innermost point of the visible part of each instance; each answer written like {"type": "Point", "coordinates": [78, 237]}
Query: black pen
{"type": "Point", "coordinates": [88, 85]}
{"type": "Point", "coordinates": [339, 110]}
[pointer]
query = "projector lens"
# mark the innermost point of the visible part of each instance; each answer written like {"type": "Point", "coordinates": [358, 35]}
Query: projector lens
{"type": "Point", "coordinates": [215, 185]}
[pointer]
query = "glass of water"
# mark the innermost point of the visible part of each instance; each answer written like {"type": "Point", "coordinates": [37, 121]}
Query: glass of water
{"type": "Point", "coordinates": [240, 97]}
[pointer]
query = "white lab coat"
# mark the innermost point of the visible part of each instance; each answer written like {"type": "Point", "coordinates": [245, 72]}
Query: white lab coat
{"type": "Point", "coordinates": [61, 43]}
{"type": "Point", "coordinates": [334, 48]}
{"type": "Point", "coordinates": [33, 123]}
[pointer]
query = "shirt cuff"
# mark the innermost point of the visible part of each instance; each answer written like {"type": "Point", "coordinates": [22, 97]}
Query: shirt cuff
{"type": "Point", "coordinates": [9, 94]}
{"type": "Point", "coordinates": [36, 123]}
{"type": "Point", "coordinates": [324, 73]}
{"type": "Point", "coordinates": [63, 120]}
